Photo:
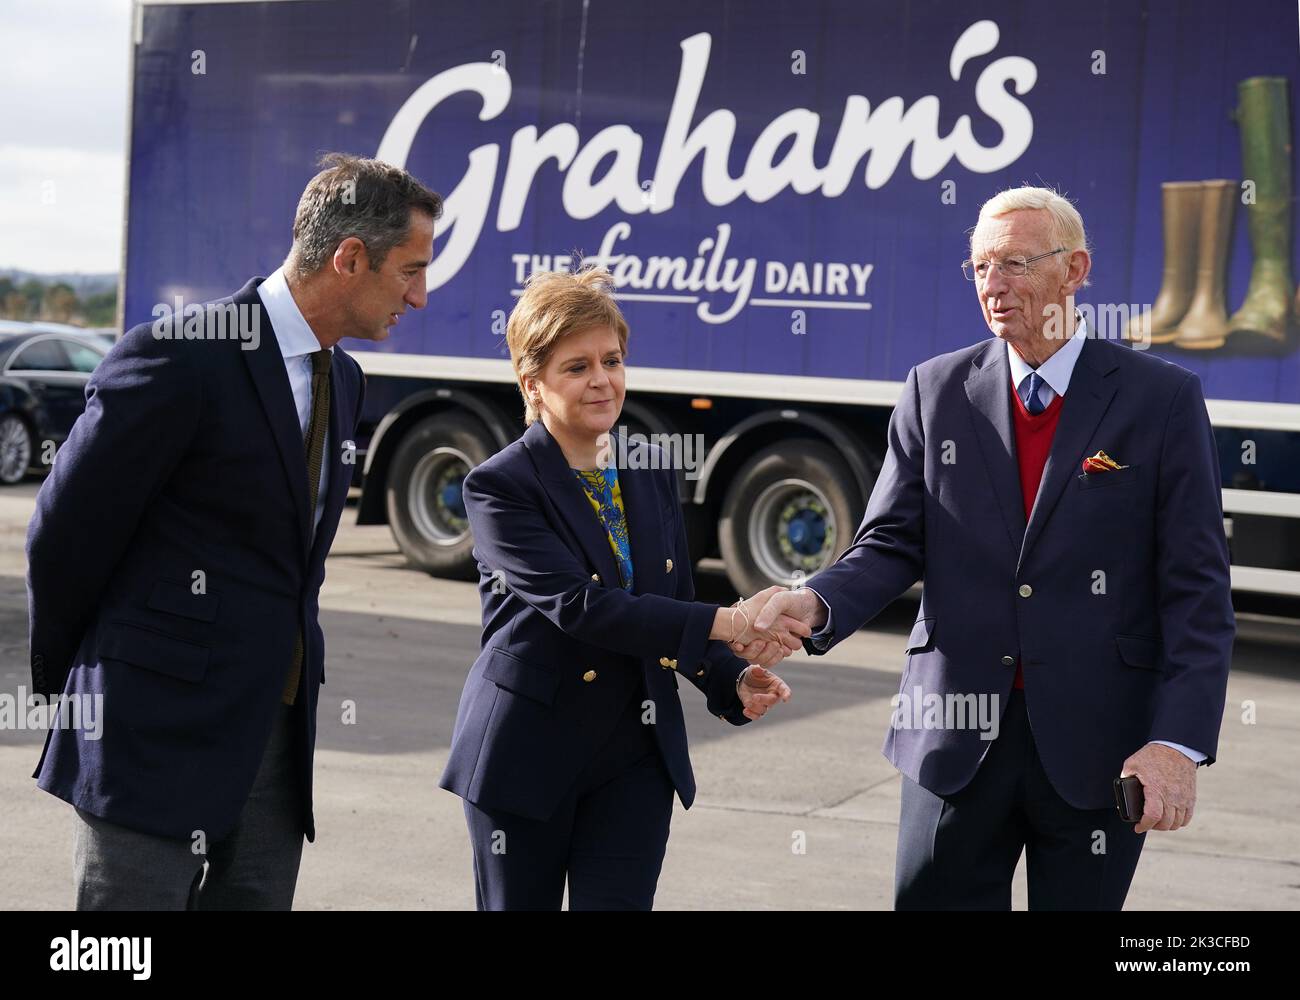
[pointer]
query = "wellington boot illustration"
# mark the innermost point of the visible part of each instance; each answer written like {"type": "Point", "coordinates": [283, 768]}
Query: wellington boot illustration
{"type": "Point", "coordinates": [1205, 326]}
{"type": "Point", "coordinates": [1265, 120]}
{"type": "Point", "coordinates": [1180, 204]}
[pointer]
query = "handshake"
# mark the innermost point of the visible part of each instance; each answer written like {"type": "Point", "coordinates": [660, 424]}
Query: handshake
{"type": "Point", "coordinates": [763, 630]}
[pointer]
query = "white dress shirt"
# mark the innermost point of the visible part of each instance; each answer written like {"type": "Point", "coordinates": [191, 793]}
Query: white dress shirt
{"type": "Point", "coordinates": [297, 345]}
{"type": "Point", "coordinates": [1055, 373]}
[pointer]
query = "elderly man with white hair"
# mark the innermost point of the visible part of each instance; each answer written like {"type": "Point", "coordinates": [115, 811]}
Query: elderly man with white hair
{"type": "Point", "coordinates": [1059, 495]}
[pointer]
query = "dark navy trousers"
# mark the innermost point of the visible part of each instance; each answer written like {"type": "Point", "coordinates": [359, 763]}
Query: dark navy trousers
{"type": "Point", "coordinates": [607, 837]}
{"type": "Point", "coordinates": [959, 852]}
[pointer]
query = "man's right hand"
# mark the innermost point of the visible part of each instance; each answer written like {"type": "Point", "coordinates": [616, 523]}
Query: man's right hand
{"type": "Point", "coordinates": [783, 618]}
{"type": "Point", "coordinates": [802, 605]}
{"type": "Point", "coordinates": [767, 647]}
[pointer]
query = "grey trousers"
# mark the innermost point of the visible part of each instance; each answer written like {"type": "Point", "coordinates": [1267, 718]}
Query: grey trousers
{"type": "Point", "coordinates": [255, 867]}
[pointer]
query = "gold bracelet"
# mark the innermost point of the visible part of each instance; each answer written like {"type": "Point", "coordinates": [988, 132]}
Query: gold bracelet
{"type": "Point", "coordinates": [738, 606]}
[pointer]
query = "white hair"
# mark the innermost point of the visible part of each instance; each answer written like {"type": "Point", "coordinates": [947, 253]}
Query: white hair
{"type": "Point", "coordinates": [1067, 223]}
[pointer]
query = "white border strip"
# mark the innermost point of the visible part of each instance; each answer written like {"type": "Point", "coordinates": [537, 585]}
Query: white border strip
{"type": "Point", "coordinates": [810, 303]}
{"type": "Point", "coordinates": [1266, 581]}
{"type": "Point", "coordinates": [800, 388]}
{"type": "Point", "coordinates": [1240, 413]}
{"type": "Point", "coordinates": [435, 366]}
{"type": "Point", "coordinates": [797, 388]}
{"type": "Point", "coordinates": [1261, 502]}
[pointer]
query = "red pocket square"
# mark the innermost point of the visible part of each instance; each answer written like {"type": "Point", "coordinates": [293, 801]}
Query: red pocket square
{"type": "Point", "coordinates": [1101, 462]}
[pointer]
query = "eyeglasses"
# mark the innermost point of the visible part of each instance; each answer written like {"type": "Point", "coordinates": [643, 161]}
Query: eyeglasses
{"type": "Point", "coordinates": [1017, 267]}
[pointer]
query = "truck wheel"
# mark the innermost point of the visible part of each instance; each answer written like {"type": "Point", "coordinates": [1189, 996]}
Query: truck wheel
{"type": "Point", "coordinates": [426, 510]}
{"type": "Point", "coordinates": [15, 449]}
{"type": "Point", "coordinates": [788, 513]}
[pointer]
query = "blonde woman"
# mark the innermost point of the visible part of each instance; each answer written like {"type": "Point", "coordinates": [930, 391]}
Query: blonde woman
{"type": "Point", "coordinates": [569, 741]}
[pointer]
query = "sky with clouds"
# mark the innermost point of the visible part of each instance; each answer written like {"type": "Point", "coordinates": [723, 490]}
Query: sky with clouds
{"type": "Point", "coordinates": [63, 98]}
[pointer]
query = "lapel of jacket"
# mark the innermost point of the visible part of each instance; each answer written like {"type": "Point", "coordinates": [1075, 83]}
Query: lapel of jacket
{"type": "Point", "coordinates": [266, 366]}
{"type": "Point", "coordinates": [988, 388]}
{"type": "Point", "coordinates": [1091, 390]}
{"type": "Point", "coordinates": [645, 529]}
{"type": "Point", "coordinates": [569, 498]}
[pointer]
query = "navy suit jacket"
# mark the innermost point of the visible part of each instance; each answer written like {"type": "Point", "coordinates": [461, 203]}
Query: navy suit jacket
{"type": "Point", "coordinates": [189, 459]}
{"type": "Point", "coordinates": [564, 647]}
{"type": "Point", "coordinates": [1115, 594]}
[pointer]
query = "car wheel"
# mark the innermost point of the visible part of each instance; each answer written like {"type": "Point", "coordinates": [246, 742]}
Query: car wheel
{"type": "Point", "coordinates": [15, 449]}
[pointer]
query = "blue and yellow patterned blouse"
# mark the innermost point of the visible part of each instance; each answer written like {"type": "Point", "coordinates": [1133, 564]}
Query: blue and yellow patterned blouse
{"type": "Point", "coordinates": [602, 489]}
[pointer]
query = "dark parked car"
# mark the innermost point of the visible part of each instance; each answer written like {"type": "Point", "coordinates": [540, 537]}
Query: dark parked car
{"type": "Point", "coordinates": [43, 375]}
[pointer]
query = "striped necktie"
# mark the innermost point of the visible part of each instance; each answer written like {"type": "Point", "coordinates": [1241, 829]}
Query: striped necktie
{"type": "Point", "coordinates": [1033, 404]}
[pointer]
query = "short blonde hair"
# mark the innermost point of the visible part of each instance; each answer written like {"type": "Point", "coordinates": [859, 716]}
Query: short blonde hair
{"type": "Point", "coordinates": [1067, 223]}
{"type": "Point", "coordinates": [553, 305]}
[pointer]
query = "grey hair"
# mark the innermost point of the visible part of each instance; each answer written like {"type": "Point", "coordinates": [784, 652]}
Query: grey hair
{"type": "Point", "coordinates": [355, 196]}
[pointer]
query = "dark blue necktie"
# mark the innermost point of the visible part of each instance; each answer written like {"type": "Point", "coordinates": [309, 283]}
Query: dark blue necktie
{"type": "Point", "coordinates": [1032, 403]}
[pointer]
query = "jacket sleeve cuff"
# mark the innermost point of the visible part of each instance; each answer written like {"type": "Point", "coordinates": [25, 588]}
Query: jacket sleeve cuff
{"type": "Point", "coordinates": [693, 644]}
{"type": "Point", "coordinates": [723, 698]}
{"type": "Point", "coordinates": [823, 639]}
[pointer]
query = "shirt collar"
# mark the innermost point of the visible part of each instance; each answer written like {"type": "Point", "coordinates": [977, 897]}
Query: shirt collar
{"type": "Point", "coordinates": [292, 331]}
{"type": "Point", "coordinates": [1057, 369]}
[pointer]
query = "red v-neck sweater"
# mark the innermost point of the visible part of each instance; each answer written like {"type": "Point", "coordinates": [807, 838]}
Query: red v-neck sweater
{"type": "Point", "coordinates": [1033, 441]}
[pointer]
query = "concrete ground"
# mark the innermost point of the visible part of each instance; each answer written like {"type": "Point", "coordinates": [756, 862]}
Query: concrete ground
{"type": "Point", "coordinates": [400, 643]}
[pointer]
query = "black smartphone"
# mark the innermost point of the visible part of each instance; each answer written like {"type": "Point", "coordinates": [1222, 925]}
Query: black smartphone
{"type": "Point", "coordinates": [1128, 798]}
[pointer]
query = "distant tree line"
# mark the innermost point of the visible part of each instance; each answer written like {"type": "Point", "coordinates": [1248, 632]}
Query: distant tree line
{"type": "Point", "coordinates": [56, 302]}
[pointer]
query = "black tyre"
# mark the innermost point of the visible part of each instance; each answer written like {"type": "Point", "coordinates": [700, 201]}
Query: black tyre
{"type": "Point", "coordinates": [426, 510]}
{"type": "Point", "coordinates": [789, 511]}
{"type": "Point", "coordinates": [15, 449]}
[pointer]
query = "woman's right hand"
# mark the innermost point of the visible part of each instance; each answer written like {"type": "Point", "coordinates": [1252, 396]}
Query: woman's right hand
{"type": "Point", "coordinates": [767, 648]}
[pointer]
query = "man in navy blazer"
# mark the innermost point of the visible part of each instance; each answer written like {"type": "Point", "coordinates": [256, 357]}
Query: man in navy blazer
{"type": "Point", "coordinates": [1076, 620]}
{"type": "Point", "coordinates": [178, 549]}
